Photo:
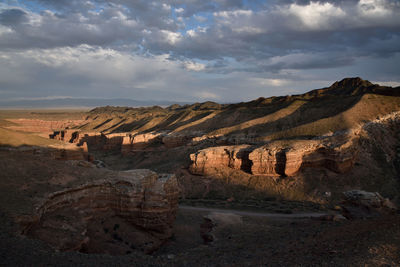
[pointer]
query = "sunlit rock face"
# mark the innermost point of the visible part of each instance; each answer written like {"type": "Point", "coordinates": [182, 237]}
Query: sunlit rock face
{"type": "Point", "coordinates": [205, 161]}
{"type": "Point", "coordinates": [278, 158]}
{"type": "Point", "coordinates": [133, 211]}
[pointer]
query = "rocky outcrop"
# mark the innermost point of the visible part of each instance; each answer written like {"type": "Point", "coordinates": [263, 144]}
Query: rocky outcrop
{"type": "Point", "coordinates": [133, 210]}
{"type": "Point", "coordinates": [97, 140]}
{"type": "Point", "coordinates": [67, 135]}
{"type": "Point", "coordinates": [276, 159]}
{"type": "Point", "coordinates": [279, 158]}
{"type": "Point", "coordinates": [132, 142]}
{"type": "Point", "coordinates": [206, 161]}
{"type": "Point", "coordinates": [113, 141]}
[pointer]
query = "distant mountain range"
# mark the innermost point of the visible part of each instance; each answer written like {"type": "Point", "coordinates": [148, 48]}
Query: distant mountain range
{"type": "Point", "coordinates": [346, 87]}
{"type": "Point", "coordinates": [80, 103]}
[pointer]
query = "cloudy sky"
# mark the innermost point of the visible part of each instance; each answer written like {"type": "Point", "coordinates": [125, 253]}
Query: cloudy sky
{"type": "Point", "coordinates": [193, 50]}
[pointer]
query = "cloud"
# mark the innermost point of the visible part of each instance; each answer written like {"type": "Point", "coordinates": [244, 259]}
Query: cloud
{"type": "Point", "coordinates": [207, 95]}
{"type": "Point", "coordinates": [12, 17]}
{"type": "Point", "coordinates": [217, 44]}
{"type": "Point", "coordinates": [190, 65]}
{"type": "Point", "coordinates": [314, 16]}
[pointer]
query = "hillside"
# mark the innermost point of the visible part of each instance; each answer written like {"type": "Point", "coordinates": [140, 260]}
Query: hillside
{"type": "Point", "coordinates": [293, 147]}
{"type": "Point", "coordinates": [340, 106]}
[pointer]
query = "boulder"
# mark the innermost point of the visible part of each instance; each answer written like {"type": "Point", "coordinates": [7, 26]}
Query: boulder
{"type": "Point", "coordinates": [359, 204]}
{"type": "Point", "coordinates": [214, 222]}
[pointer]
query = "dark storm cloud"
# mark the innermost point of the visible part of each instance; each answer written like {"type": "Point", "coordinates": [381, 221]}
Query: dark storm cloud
{"type": "Point", "coordinates": [12, 17]}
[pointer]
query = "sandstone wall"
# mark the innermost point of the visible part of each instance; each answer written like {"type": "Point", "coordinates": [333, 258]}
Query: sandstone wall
{"type": "Point", "coordinates": [134, 210]}
{"type": "Point", "coordinates": [207, 160]}
{"type": "Point", "coordinates": [278, 158]}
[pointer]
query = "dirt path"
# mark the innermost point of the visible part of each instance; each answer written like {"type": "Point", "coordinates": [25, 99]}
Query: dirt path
{"type": "Point", "coordinates": [257, 214]}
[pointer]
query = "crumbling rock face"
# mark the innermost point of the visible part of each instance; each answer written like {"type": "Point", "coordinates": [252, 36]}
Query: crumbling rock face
{"type": "Point", "coordinates": [67, 135]}
{"type": "Point", "coordinates": [134, 210]}
{"type": "Point", "coordinates": [278, 158]}
{"type": "Point", "coordinates": [94, 139]}
{"type": "Point", "coordinates": [207, 160]}
{"type": "Point", "coordinates": [132, 142]}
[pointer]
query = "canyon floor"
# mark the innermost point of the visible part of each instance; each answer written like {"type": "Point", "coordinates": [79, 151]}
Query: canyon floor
{"type": "Point", "coordinates": [267, 171]}
{"type": "Point", "coordinates": [257, 239]}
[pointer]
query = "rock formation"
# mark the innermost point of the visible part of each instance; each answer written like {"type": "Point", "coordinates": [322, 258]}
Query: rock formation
{"type": "Point", "coordinates": [132, 142]}
{"type": "Point", "coordinates": [207, 160]}
{"type": "Point", "coordinates": [278, 158]}
{"type": "Point", "coordinates": [133, 210]}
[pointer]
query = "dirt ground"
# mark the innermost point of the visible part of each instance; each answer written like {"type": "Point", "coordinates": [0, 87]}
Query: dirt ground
{"type": "Point", "coordinates": [26, 175]}
{"type": "Point", "coordinates": [255, 242]}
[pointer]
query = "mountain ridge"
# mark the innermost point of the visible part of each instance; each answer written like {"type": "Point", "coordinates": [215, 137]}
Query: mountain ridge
{"type": "Point", "coordinates": [346, 87]}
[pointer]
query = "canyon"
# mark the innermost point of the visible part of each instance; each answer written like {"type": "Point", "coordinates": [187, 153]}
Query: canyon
{"type": "Point", "coordinates": [303, 150]}
{"type": "Point", "coordinates": [322, 133]}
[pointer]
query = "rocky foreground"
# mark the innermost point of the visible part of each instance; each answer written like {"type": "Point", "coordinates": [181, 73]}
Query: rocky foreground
{"type": "Point", "coordinates": [76, 207]}
{"type": "Point", "coordinates": [137, 207]}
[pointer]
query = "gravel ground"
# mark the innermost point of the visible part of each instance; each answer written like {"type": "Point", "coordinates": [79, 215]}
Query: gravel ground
{"type": "Point", "coordinates": [258, 241]}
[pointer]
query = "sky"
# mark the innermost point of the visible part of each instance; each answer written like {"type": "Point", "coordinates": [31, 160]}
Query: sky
{"type": "Point", "coordinates": [193, 50]}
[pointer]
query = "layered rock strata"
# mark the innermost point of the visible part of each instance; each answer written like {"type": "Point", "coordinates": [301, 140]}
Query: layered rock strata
{"type": "Point", "coordinates": [132, 142]}
{"type": "Point", "coordinates": [207, 160]}
{"type": "Point", "coordinates": [134, 210]}
{"type": "Point", "coordinates": [277, 158]}
{"type": "Point", "coordinates": [280, 160]}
